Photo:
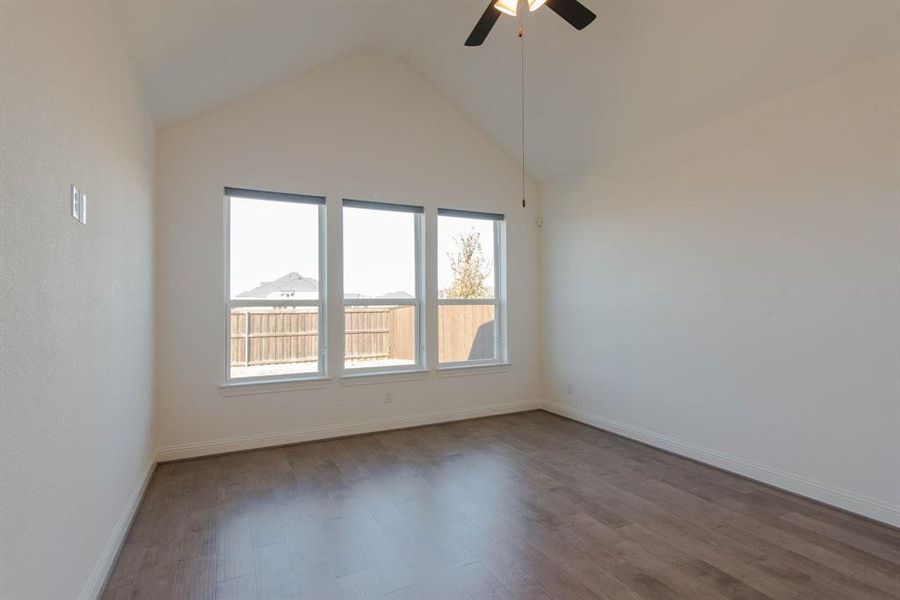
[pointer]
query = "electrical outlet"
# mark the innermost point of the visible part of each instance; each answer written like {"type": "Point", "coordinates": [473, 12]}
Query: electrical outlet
{"type": "Point", "coordinates": [388, 397]}
{"type": "Point", "coordinates": [76, 203]}
{"type": "Point", "coordinates": [570, 388]}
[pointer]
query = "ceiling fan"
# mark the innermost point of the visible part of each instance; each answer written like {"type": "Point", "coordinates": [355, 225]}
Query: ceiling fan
{"type": "Point", "coordinates": [574, 12]}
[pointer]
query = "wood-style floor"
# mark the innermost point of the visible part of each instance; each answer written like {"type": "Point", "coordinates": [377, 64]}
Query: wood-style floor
{"type": "Point", "coordinates": [519, 506]}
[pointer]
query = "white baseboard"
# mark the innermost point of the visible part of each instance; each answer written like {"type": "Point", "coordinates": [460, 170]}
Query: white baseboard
{"type": "Point", "coordinates": [103, 567]}
{"type": "Point", "coordinates": [321, 432]}
{"type": "Point", "coordinates": [803, 486]}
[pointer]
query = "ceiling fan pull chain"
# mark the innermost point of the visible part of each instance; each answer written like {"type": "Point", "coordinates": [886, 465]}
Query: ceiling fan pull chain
{"type": "Point", "coordinates": [575, 13]}
{"type": "Point", "coordinates": [522, 41]}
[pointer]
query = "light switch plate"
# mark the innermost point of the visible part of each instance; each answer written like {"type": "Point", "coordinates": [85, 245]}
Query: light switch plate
{"type": "Point", "coordinates": [76, 203]}
{"type": "Point", "coordinates": [83, 218]}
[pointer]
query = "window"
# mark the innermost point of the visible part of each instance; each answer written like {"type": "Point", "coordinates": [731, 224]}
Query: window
{"type": "Point", "coordinates": [382, 286]}
{"type": "Point", "coordinates": [274, 297]}
{"type": "Point", "coordinates": [471, 282]}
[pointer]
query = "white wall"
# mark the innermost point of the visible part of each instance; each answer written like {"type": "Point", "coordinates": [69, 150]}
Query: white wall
{"type": "Point", "coordinates": [365, 128]}
{"type": "Point", "coordinates": [76, 361]}
{"type": "Point", "coordinates": [733, 292]}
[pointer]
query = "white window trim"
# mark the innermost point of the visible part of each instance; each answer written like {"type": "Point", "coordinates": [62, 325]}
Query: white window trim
{"type": "Point", "coordinates": [276, 382]}
{"type": "Point", "coordinates": [349, 374]}
{"type": "Point", "coordinates": [460, 369]}
{"type": "Point", "coordinates": [238, 387]}
{"type": "Point", "coordinates": [372, 378]}
{"type": "Point", "coordinates": [501, 347]}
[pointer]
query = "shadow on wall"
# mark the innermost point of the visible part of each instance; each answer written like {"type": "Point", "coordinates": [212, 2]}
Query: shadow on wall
{"type": "Point", "coordinates": [483, 344]}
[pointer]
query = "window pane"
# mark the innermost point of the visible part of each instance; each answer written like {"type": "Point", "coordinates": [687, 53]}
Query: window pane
{"type": "Point", "coordinates": [274, 341]}
{"type": "Point", "coordinates": [465, 257]}
{"type": "Point", "coordinates": [466, 332]}
{"type": "Point", "coordinates": [274, 250]}
{"type": "Point", "coordinates": [379, 254]}
{"type": "Point", "coordinates": [379, 336]}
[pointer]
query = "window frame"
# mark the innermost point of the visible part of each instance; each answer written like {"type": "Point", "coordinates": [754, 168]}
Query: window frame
{"type": "Point", "coordinates": [418, 302]}
{"type": "Point", "coordinates": [321, 303]}
{"type": "Point", "coordinates": [499, 301]}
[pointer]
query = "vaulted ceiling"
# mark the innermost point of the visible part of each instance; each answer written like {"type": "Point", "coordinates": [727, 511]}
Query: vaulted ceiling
{"type": "Point", "coordinates": [642, 71]}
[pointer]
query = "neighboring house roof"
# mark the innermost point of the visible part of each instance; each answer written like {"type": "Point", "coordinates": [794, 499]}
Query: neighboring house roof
{"type": "Point", "coordinates": [395, 296]}
{"type": "Point", "coordinates": [294, 285]}
{"type": "Point", "coordinates": [289, 285]}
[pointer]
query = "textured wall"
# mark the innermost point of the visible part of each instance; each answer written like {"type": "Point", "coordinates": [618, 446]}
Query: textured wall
{"type": "Point", "coordinates": [363, 127]}
{"type": "Point", "coordinates": [735, 289]}
{"type": "Point", "coordinates": [76, 302]}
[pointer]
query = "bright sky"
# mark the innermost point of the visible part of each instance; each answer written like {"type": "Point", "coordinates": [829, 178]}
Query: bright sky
{"type": "Point", "coordinates": [270, 239]}
{"type": "Point", "coordinates": [379, 252]}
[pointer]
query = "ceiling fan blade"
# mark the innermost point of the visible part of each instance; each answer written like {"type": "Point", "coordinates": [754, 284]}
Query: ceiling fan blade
{"type": "Point", "coordinates": [483, 26]}
{"type": "Point", "coordinates": [573, 11]}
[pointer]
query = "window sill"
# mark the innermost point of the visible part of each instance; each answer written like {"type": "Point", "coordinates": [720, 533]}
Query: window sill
{"type": "Point", "coordinates": [247, 388]}
{"type": "Point", "coordinates": [477, 369]}
{"type": "Point", "coordinates": [372, 377]}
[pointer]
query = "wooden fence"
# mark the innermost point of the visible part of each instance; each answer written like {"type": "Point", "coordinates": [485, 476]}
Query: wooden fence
{"type": "Point", "coordinates": [378, 333]}
{"type": "Point", "coordinates": [269, 336]}
{"type": "Point", "coordinates": [265, 336]}
{"type": "Point", "coordinates": [465, 332]}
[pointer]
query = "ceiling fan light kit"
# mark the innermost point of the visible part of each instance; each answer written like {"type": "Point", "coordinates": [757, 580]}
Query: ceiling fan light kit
{"type": "Point", "coordinates": [506, 6]}
{"type": "Point", "coordinates": [511, 7]}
